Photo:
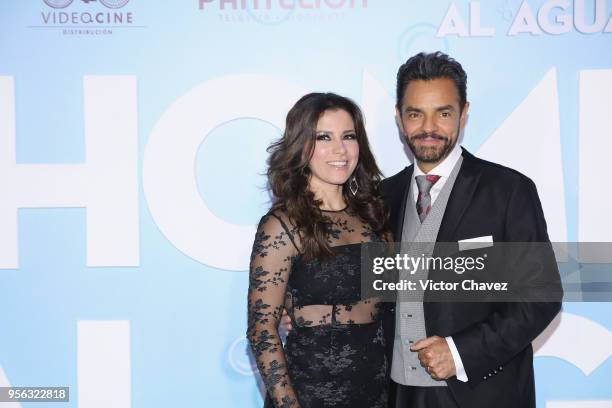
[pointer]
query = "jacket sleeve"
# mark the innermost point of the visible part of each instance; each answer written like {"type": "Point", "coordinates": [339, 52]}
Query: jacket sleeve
{"type": "Point", "coordinates": [486, 346]}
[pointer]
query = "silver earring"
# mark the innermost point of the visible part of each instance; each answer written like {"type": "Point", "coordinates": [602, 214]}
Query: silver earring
{"type": "Point", "coordinates": [353, 186]}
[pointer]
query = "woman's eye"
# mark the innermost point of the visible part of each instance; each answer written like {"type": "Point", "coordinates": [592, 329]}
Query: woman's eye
{"type": "Point", "coordinates": [350, 136]}
{"type": "Point", "coordinates": [323, 136]}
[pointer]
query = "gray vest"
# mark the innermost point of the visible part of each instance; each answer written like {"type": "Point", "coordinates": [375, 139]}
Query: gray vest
{"type": "Point", "coordinates": [417, 240]}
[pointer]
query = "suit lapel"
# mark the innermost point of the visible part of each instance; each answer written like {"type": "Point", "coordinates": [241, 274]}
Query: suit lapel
{"type": "Point", "coordinates": [460, 198]}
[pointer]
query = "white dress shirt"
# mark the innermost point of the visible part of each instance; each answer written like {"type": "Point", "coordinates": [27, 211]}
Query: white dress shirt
{"type": "Point", "coordinates": [443, 170]}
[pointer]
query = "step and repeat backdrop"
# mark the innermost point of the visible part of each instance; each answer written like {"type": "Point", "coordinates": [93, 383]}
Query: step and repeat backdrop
{"type": "Point", "coordinates": [132, 147]}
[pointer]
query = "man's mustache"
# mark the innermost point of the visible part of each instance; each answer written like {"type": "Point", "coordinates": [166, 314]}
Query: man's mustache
{"type": "Point", "coordinates": [426, 135]}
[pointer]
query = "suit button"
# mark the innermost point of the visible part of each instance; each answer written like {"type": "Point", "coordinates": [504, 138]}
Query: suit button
{"type": "Point", "coordinates": [501, 368]}
{"type": "Point", "coordinates": [484, 378]}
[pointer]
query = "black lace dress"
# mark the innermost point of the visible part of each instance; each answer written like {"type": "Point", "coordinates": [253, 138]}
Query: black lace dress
{"type": "Point", "coordinates": [334, 356]}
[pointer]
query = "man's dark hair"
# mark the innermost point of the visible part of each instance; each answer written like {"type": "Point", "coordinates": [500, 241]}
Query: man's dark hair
{"type": "Point", "coordinates": [428, 66]}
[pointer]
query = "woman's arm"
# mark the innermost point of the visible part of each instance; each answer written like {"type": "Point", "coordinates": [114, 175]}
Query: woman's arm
{"type": "Point", "coordinates": [268, 274]}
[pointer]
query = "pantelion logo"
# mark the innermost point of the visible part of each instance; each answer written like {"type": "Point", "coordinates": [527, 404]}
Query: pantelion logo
{"type": "Point", "coordinates": [272, 12]}
{"type": "Point", "coordinates": [86, 17]}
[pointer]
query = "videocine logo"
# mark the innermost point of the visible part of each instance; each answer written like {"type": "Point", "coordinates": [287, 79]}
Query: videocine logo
{"type": "Point", "coordinates": [86, 17]}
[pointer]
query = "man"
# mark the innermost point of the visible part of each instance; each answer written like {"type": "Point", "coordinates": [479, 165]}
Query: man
{"type": "Point", "coordinates": [454, 354]}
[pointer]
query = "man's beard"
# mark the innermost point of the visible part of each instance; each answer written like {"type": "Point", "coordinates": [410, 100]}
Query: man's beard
{"type": "Point", "coordinates": [430, 154]}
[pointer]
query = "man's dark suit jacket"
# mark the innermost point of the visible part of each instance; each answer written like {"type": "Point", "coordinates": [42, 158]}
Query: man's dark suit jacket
{"type": "Point", "coordinates": [493, 339]}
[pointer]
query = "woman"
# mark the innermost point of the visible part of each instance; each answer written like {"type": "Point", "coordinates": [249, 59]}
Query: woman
{"type": "Point", "coordinates": [306, 259]}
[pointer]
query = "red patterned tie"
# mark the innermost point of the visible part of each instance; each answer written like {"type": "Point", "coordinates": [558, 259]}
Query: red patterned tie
{"type": "Point", "coordinates": [423, 204]}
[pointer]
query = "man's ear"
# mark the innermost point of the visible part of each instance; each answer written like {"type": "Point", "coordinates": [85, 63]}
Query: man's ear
{"type": "Point", "coordinates": [398, 121]}
{"type": "Point", "coordinates": [464, 115]}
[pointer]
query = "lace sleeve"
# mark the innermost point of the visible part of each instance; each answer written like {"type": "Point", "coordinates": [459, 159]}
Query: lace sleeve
{"type": "Point", "coordinates": [268, 274]}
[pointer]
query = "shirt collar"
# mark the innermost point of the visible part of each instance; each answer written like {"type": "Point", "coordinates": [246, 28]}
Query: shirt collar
{"type": "Point", "coordinates": [445, 168]}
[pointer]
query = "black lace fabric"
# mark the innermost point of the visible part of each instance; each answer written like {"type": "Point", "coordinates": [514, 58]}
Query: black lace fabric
{"type": "Point", "coordinates": [334, 356]}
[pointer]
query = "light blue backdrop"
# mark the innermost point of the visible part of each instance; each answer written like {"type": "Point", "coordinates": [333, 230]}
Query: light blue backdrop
{"type": "Point", "coordinates": [185, 316]}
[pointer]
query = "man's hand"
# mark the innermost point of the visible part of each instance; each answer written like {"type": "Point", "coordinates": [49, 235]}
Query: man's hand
{"type": "Point", "coordinates": [436, 357]}
{"type": "Point", "coordinates": [286, 321]}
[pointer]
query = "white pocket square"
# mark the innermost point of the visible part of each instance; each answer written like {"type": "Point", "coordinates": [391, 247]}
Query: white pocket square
{"type": "Point", "coordinates": [475, 243]}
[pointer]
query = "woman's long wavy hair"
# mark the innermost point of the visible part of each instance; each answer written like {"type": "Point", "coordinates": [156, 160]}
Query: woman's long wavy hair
{"type": "Point", "coordinates": [288, 174]}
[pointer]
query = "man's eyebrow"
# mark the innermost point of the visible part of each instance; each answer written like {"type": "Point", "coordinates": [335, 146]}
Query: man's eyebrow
{"type": "Point", "coordinates": [438, 109]}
